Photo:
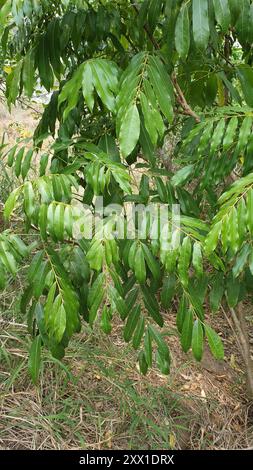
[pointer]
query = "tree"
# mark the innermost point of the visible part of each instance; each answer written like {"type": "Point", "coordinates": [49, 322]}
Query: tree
{"type": "Point", "coordinates": [164, 87]}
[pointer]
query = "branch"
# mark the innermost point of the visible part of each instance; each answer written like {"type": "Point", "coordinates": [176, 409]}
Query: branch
{"type": "Point", "coordinates": [182, 101]}
{"type": "Point", "coordinates": [149, 34]}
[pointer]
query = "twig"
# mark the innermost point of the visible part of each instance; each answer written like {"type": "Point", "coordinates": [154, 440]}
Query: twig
{"type": "Point", "coordinates": [182, 101]}
{"type": "Point", "coordinates": [150, 35]}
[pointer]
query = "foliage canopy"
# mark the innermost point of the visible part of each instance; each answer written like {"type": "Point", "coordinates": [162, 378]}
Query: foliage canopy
{"type": "Point", "coordinates": [164, 87]}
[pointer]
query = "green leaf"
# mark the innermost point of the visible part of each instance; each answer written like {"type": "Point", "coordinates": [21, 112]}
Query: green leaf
{"type": "Point", "coordinates": [60, 323]}
{"type": "Point", "coordinates": [18, 161]}
{"type": "Point", "coordinates": [181, 313]}
{"type": "Point", "coordinates": [45, 69]}
{"type": "Point", "coordinates": [70, 92]}
{"type": "Point", "coordinates": [233, 290]}
{"type": "Point", "coordinates": [245, 75]}
{"type": "Point", "coordinates": [43, 221]}
{"type": "Point", "coordinates": [161, 343]}
{"type": "Point", "coordinates": [104, 73]}
{"type": "Point", "coordinates": [139, 331]}
{"type": "Point", "coordinates": [148, 347]}
{"type": "Point", "coordinates": [241, 260]}
{"type": "Point", "coordinates": [200, 23]}
{"type": "Point", "coordinates": [182, 175]}
{"type": "Point", "coordinates": [143, 363]}
{"type": "Point", "coordinates": [168, 290]}
{"type": "Point", "coordinates": [26, 163]}
{"type": "Point", "coordinates": [35, 265]}
{"type": "Point", "coordinates": [161, 86]}
{"type": "Point", "coordinates": [129, 130]}
{"type": "Point", "coordinates": [182, 32]}
{"type": "Point", "coordinates": [28, 74]}
{"type": "Point", "coordinates": [7, 258]}
{"type": "Point", "coordinates": [34, 362]}
{"type": "Point", "coordinates": [214, 342]}
{"type": "Point", "coordinates": [58, 222]}
{"type": "Point", "coordinates": [213, 238]}
{"type": "Point", "coordinates": [184, 261]}
{"type": "Point", "coordinates": [222, 13]}
{"type": "Point", "coordinates": [131, 323]}
{"type": "Point", "coordinates": [54, 46]}
{"type": "Point", "coordinates": [197, 259]}
{"type": "Point", "coordinates": [151, 262]}
{"type": "Point", "coordinates": [186, 335]}
{"type": "Point", "coordinates": [233, 234]}
{"type": "Point", "coordinates": [29, 199]}
{"type": "Point", "coordinates": [216, 292]}
{"type": "Point", "coordinates": [105, 322]}
{"type": "Point", "coordinates": [230, 133]}
{"type": "Point", "coordinates": [11, 156]}
{"type": "Point", "coordinates": [139, 265]}
{"type": "Point", "coordinates": [152, 305]}
{"type": "Point", "coordinates": [11, 203]}
{"type": "Point", "coordinates": [13, 84]}
{"type": "Point", "coordinates": [243, 22]}
{"type": "Point", "coordinates": [197, 340]}
{"type": "Point", "coordinates": [163, 364]}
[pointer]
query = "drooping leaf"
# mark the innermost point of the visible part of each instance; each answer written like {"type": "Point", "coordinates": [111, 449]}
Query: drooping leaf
{"type": "Point", "coordinates": [129, 131]}
{"type": "Point", "coordinates": [200, 22]}
{"type": "Point", "coordinates": [182, 32]}
{"type": "Point", "coordinates": [34, 363]}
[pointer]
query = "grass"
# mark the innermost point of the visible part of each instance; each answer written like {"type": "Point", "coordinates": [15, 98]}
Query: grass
{"type": "Point", "coordinates": [96, 400]}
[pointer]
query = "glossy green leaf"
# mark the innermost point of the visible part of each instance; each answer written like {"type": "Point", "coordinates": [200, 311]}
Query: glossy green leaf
{"type": "Point", "coordinates": [129, 130]}
{"type": "Point", "coordinates": [197, 340]}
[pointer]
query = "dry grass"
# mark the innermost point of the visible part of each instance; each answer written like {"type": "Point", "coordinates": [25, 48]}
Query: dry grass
{"type": "Point", "coordinates": [96, 398]}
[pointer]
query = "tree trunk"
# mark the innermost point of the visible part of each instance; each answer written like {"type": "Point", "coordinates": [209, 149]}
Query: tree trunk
{"type": "Point", "coordinates": [241, 330]}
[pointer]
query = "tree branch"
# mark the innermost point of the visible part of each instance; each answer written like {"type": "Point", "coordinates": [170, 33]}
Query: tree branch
{"type": "Point", "coordinates": [182, 101]}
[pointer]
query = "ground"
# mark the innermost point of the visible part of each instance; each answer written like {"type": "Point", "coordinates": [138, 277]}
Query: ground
{"type": "Point", "coordinates": [96, 398]}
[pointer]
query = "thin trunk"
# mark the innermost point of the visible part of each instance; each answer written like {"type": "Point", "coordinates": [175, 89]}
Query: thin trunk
{"type": "Point", "coordinates": [241, 330]}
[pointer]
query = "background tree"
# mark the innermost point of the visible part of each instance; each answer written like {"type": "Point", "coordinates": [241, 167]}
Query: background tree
{"type": "Point", "coordinates": [125, 78]}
